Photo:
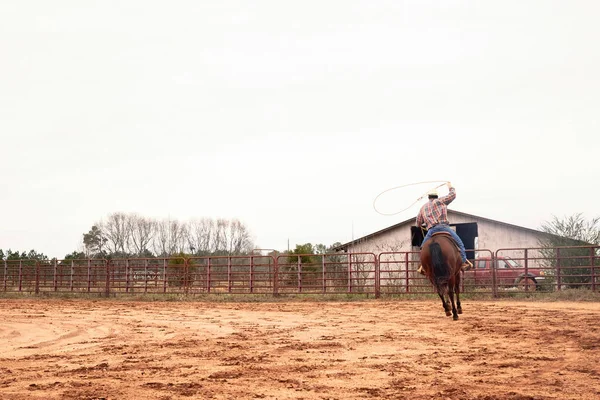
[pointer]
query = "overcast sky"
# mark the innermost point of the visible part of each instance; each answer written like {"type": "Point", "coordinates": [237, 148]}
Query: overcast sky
{"type": "Point", "coordinates": [293, 116]}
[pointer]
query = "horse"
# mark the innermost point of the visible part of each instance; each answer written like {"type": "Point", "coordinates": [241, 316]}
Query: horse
{"type": "Point", "coordinates": [442, 263]}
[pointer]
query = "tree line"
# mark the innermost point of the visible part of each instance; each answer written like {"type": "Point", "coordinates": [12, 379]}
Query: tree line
{"type": "Point", "coordinates": [122, 235]}
{"type": "Point", "coordinates": [22, 255]}
{"type": "Point", "coordinates": [133, 235]}
{"type": "Point", "coordinates": [572, 232]}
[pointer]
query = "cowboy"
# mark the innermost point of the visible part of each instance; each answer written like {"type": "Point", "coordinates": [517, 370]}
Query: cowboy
{"type": "Point", "coordinates": [434, 215]}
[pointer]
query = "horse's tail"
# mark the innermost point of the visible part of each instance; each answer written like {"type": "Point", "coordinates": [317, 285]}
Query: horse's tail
{"type": "Point", "coordinates": [441, 271]}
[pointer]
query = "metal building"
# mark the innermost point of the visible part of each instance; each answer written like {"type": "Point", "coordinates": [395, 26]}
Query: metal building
{"type": "Point", "coordinates": [476, 233]}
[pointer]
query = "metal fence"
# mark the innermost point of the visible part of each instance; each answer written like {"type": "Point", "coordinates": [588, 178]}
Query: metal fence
{"type": "Point", "coordinates": [389, 273]}
{"type": "Point", "coordinates": [327, 273]}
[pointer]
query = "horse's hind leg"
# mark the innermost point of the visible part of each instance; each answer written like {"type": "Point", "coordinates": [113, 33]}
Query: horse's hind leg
{"type": "Point", "coordinates": [457, 291]}
{"type": "Point", "coordinates": [454, 311]}
{"type": "Point", "coordinates": [444, 303]}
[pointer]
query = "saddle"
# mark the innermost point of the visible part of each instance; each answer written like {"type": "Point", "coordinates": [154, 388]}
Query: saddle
{"type": "Point", "coordinates": [449, 237]}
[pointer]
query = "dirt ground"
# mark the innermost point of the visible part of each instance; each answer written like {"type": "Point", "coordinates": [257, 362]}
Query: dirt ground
{"type": "Point", "coordinates": [107, 349]}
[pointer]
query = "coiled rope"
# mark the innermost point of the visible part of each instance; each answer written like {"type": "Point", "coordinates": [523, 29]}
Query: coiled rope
{"type": "Point", "coordinates": [399, 187]}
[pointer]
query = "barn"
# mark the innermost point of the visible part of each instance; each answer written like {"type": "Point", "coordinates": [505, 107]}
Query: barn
{"type": "Point", "coordinates": [396, 249]}
{"type": "Point", "coordinates": [475, 231]}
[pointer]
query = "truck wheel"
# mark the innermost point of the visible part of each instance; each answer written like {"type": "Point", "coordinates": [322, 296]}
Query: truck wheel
{"type": "Point", "coordinates": [526, 281]}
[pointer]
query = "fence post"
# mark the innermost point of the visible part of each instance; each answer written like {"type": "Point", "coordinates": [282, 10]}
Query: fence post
{"type": "Point", "coordinates": [208, 273]}
{"type": "Point", "coordinates": [526, 270]}
{"type": "Point", "coordinates": [146, 276]}
{"type": "Point", "coordinates": [71, 284]}
{"type": "Point", "coordinates": [323, 274]}
{"type": "Point", "coordinates": [165, 277]}
{"type": "Point", "coordinates": [107, 287]}
{"type": "Point", "coordinates": [89, 275]}
{"type": "Point", "coordinates": [377, 276]}
{"type": "Point", "coordinates": [276, 277]}
{"type": "Point", "coordinates": [349, 273]}
{"type": "Point", "coordinates": [558, 269]}
{"type": "Point", "coordinates": [20, 275]}
{"type": "Point", "coordinates": [5, 274]}
{"type": "Point", "coordinates": [186, 270]}
{"type": "Point", "coordinates": [127, 276]}
{"type": "Point", "coordinates": [251, 274]}
{"type": "Point", "coordinates": [299, 270]}
{"type": "Point", "coordinates": [494, 262]}
{"type": "Point", "coordinates": [55, 275]}
{"type": "Point", "coordinates": [229, 275]}
{"type": "Point", "coordinates": [37, 277]}
{"type": "Point", "coordinates": [593, 266]}
{"type": "Point", "coordinates": [406, 261]}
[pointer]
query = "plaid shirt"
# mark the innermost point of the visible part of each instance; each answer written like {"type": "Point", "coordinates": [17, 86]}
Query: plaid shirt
{"type": "Point", "coordinates": [434, 212]}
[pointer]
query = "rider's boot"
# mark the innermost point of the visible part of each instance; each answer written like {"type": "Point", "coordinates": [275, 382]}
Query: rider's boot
{"type": "Point", "coordinates": [466, 266]}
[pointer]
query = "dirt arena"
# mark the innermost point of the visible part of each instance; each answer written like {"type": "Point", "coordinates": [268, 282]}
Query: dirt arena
{"type": "Point", "coordinates": [107, 349]}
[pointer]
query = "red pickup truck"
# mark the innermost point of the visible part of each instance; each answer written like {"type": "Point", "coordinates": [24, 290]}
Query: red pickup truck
{"type": "Point", "coordinates": [509, 273]}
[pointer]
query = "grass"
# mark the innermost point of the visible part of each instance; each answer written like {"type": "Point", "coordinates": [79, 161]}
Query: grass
{"type": "Point", "coordinates": [566, 295]}
{"type": "Point", "coordinates": [563, 295]}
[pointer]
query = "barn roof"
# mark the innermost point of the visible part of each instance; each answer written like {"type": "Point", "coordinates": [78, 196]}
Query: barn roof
{"type": "Point", "coordinates": [413, 219]}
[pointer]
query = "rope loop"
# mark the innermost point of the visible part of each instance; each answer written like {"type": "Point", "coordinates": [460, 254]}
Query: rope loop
{"type": "Point", "coordinates": [403, 186]}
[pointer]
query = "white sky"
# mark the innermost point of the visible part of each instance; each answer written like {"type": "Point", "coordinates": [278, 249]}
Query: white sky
{"type": "Point", "coordinates": [292, 116]}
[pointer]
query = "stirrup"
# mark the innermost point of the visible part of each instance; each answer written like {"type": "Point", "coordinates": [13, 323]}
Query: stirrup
{"type": "Point", "coordinates": [466, 266]}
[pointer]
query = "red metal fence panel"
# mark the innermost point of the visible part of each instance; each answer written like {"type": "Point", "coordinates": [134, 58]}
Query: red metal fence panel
{"type": "Point", "coordinates": [251, 274]}
{"type": "Point", "coordinates": [549, 269]}
{"type": "Point", "coordinates": [327, 273]}
{"type": "Point", "coordinates": [481, 278]}
{"type": "Point", "coordinates": [497, 273]}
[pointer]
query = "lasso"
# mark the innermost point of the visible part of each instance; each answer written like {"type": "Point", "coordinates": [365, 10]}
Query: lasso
{"type": "Point", "coordinates": [399, 187]}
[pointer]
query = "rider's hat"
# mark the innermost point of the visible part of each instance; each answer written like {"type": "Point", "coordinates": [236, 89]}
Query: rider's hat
{"type": "Point", "coordinates": [432, 193]}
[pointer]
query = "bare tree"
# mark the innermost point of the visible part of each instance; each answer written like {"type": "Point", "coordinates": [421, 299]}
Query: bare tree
{"type": "Point", "coordinates": [219, 238]}
{"type": "Point", "coordinates": [239, 240]}
{"type": "Point", "coordinates": [142, 232]}
{"type": "Point", "coordinates": [199, 235]}
{"type": "Point", "coordinates": [124, 234]}
{"type": "Point", "coordinates": [117, 231]}
{"type": "Point", "coordinates": [178, 234]}
{"type": "Point", "coordinates": [160, 242]}
{"type": "Point", "coordinates": [170, 238]}
{"type": "Point", "coordinates": [222, 236]}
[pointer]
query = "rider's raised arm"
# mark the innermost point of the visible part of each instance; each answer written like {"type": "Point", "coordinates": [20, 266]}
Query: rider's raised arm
{"type": "Point", "coordinates": [449, 197]}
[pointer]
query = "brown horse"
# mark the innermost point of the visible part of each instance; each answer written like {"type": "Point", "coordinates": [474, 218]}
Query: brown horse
{"type": "Point", "coordinates": [441, 261]}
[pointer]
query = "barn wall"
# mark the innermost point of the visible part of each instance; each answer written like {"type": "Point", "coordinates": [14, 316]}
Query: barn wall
{"type": "Point", "coordinates": [495, 235]}
{"type": "Point", "coordinates": [398, 239]}
{"type": "Point", "coordinates": [492, 235]}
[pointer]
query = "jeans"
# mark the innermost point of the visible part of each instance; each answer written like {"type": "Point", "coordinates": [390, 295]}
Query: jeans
{"type": "Point", "coordinates": [446, 228]}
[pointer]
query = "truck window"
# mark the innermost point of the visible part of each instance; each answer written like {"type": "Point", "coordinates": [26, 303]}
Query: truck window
{"type": "Point", "coordinates": [513, 263]}
{"type": "Point", "coordinates": [481, 264]}
{"type": "Point", "coordinates": [502, 264]}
